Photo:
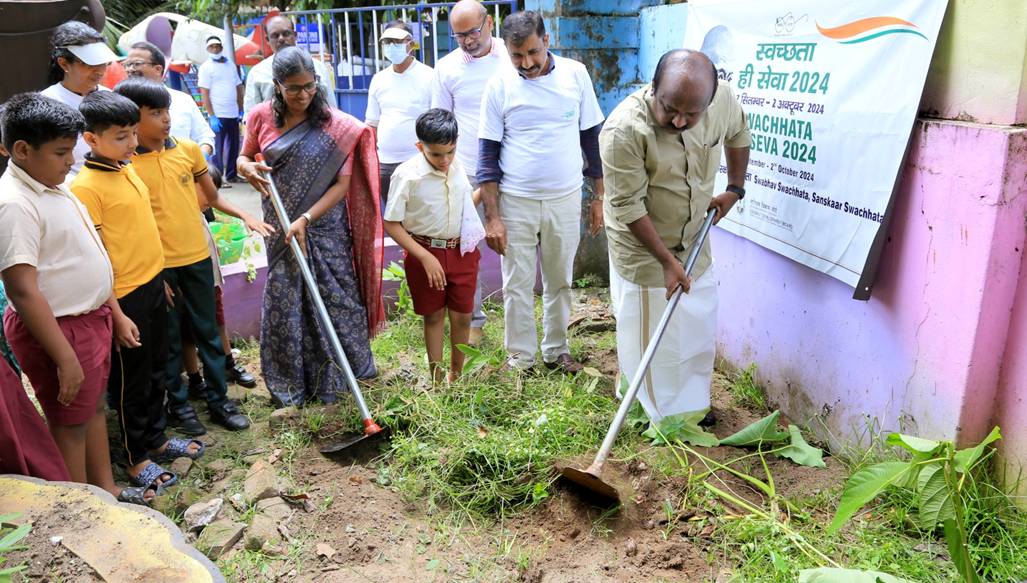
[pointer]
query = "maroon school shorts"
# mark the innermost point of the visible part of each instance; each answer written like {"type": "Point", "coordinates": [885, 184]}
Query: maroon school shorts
{"type": "Point", "coordinates": [461, 281]}
{"type": "Point", "coordinates": [90, 337]}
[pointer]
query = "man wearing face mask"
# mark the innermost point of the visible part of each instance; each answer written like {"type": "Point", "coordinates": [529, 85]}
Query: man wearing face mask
{"type": "Point", "coordinates": [222, 91]}
{"type": "Point", "coordinates": [397, 95]}
{"type": "Point", "coordinates": [539, 135]}
{"type": "Point", "coordinates": [260, 84]}
{"type": "Point", "coordinates": [661, 151]}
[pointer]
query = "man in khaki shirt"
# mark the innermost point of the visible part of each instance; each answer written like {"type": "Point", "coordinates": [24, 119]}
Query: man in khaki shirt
{"type": "Point", "coordinates": [661, 151]}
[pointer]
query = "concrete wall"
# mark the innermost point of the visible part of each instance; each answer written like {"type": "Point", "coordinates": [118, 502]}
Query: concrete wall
{"type": "Point", "coordinates": [979, 70]}
{"type": "Point", "coordinates": [924, 354]}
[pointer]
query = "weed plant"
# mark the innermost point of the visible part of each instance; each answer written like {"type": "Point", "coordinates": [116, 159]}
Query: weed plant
{"type": "Point", "coordinates": [485, 445]}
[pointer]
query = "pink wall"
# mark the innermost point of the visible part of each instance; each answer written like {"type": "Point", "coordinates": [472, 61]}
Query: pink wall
{"type": "Point", "coordinates": [924, 354]}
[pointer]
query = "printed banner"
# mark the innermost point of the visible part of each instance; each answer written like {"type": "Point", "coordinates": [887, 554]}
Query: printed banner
{"type": "Point", "coordinates": [831, 90]}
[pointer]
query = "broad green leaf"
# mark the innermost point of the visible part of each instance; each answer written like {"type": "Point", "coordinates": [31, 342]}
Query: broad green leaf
{"type": "Point", "coordinates": [801, 452]}
{"type": "Point", "coordinates": [935, 500]}
{"type": "Point", "coordinates": [957, 550]}
{"type": "Point", "coordinates": [637, 416]}
{"type": "Point", "coordinates": [913, 444]}
{"type": "Point", "coordinates": [765, 430]}
{"type": "Point", "coordinates": [829, 575]}
{"type": "Point", "coordinates": [683, 427]}
{"type": "Point", "coordinates": [864, 486]}
{"type": "Point", "coordinates": [14, 536]}
{"type": "Point", "coordinates": [9, 517]}
{"type": "Point", "coordinates": [966, 458]}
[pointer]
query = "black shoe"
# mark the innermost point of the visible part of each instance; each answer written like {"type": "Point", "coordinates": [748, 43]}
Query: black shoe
{"type": "Point", "coordinates": [197, 387]}
{"type": "Point", "coordinates": [228, 416]}
{"type": "Point", "coordinates": [240, 376]}
{"type": "Point", "coordinates": [183, 417]}
{"type": "Point", "coordinates": [709, 420]}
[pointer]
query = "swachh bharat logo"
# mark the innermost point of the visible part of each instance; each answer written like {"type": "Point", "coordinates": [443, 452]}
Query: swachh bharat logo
{"type": "Point", "coordinates": [866, 29]}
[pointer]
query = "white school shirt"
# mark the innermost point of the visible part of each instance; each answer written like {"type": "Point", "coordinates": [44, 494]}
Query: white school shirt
{"type": "Point", "coordinates": [49, 229]}
{"type": "Point", "coordinates": [538, 122]}
{"type": "Point", "coordinates": [69, 97]}
{"type": "Point", "coordinates": [221, 80]}
{"type": "Point", "coordinates": [187, 121]}
{"type": "Point", "coordinates": [459, 85]}
{"type": "Point", "coordinates": [428, 202]}
{"type": "Point", "coordinates": [394, 100]}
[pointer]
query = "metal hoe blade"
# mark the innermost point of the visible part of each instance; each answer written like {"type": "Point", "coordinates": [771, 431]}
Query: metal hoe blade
{"type": "Point", "coordinates": [591, 478]}
{"type": "Point", "coordinates": [370, 427]}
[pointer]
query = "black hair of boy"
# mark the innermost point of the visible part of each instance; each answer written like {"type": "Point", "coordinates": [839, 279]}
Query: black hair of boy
{"type": "Point", "coordinates": [106, 109]}
{"type": "Point", "coordinates": [436, 126]}
{"type": "Point", "coordinates": [145, 93]}
{"type": "Point", "coordinates": [37, 119]}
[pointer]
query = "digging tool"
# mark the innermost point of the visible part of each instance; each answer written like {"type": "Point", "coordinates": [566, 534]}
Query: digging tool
{"type": "Point", "coordinates": [371, 428]}
{"type": "Point", "coordinates": [591, 478]}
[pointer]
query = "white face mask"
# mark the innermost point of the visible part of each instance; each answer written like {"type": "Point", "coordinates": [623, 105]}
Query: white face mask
{"type": "Point", "coordinates": [395, 53]}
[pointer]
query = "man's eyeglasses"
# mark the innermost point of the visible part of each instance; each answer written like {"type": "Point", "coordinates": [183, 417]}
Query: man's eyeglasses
{"type": "Point", "coordinates": [136, 64]}
{"type": "Point", "coordinates": [471, 34]}
{"type": "Point", "coordinates": [295, 90]}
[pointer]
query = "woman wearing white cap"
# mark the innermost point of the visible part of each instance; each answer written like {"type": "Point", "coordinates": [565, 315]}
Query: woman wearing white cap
{"type": "Point", "coordinates": [78, 60]}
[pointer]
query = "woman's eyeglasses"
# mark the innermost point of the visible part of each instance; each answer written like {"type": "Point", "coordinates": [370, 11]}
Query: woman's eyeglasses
{"type": "Point", "coordinates": [295, 90]}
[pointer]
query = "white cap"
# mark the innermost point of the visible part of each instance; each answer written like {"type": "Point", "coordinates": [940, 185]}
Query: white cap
{"type": "Point", "coordinates": [93, 54]}
{"type": "Point", "coordinates": [214, 41]}
{"type": "Point", "coordinates": [396, 33]}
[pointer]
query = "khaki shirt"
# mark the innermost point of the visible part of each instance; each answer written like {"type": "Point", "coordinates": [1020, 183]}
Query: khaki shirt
{"type": "Point", "coordinates": [665, 175]}
{"type": "Point", "coordinates": [49, 229]}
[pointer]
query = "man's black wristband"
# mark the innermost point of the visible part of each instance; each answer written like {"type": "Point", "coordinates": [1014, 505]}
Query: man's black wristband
{"type": "Point", "coordinates": [737, 190]}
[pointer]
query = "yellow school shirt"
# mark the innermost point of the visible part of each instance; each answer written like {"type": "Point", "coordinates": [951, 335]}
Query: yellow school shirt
{"type": "Point", "coordinates": [170, 175]}
{"type": "Point", "coordinates": [119, 205]}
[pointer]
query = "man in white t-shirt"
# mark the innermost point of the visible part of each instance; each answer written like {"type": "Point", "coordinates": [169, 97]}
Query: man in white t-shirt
{"type": "Point", "coordinates": [146, 60]}
{"type": "Point", "coordinates": [396, 97]}
{"type": "Point", "coordinates": [222, 91]}
{"type": "Point", "coordinates": [260, 85]}
{"type": "Point", "coordinates": [539, 120]}
{"type": "Point", "coordinates": [460, 79]}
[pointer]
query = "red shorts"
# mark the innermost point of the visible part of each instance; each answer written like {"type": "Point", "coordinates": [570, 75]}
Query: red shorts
{"type": "Point", "coordinates": [90, 336]}
{"type": "Point", "coordinates": [461, 281]}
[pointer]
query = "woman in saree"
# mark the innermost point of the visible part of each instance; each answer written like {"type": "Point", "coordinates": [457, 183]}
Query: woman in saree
{"type": "Point", "coordinates": [324, 164]}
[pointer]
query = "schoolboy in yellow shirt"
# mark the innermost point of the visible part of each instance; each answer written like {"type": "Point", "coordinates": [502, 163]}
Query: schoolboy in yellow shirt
{"type": "Point", "coordinates": [119, 205]}
{"type": "Point", "coordinates": [173, 169]}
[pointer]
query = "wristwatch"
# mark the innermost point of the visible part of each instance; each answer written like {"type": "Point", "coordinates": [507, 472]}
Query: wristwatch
{"type": "Point", "coordinates": [737, 190]}
{"type": "Point", "coordinates": [310, 219]}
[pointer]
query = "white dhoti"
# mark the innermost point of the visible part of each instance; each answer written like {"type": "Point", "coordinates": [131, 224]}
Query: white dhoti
{"type": "Point", "coordinates": [679, 376]}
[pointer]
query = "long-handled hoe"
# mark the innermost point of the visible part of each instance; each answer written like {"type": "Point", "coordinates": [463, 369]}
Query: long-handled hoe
{"type": "Point", "coordinates": [591, 478]}
{"type": "Point", "coordinates": [371, 429]}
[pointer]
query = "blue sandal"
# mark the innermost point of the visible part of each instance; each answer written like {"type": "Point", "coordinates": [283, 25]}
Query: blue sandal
{"type": "Point", "coordinates": [148, 477]}
{"type": "Point", "coordinates": [179, 447]}
{"type": "Point", "coordinates": [138, 495]}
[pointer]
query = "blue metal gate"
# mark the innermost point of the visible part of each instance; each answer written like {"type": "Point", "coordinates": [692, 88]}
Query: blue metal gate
{"type": "Point", "coordinates": [346, 39]}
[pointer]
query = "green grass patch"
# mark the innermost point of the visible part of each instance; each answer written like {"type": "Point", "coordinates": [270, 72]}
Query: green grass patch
{"type": "Point", "coordinates": [485, 445]}
{"type": "Point", "coordinates": [746, 393]}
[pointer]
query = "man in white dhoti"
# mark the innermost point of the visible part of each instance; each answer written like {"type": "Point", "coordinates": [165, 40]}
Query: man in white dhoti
{"type": "Point", "coordinates": [661, 150]}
